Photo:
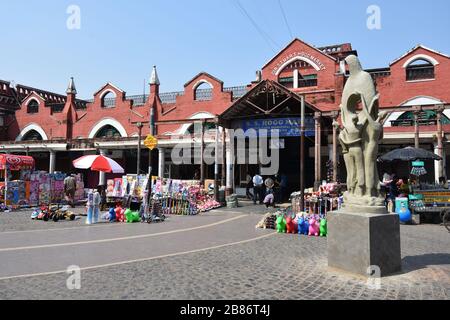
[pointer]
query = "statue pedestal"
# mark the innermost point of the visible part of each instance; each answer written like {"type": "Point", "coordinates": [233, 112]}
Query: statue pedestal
{"type": "Point", "coordinates": [358, 241]}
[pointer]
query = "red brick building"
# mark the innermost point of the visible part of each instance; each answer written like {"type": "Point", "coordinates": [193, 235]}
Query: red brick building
{"type": "Point", "coordinates": [414, 89]}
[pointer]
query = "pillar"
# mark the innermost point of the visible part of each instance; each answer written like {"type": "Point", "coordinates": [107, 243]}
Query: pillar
{"type": "Point", "coordinates": [335, 148]}
{"type": "Point", "coordinates": [416, 129]}
{"type": "Point", "coordinates": [230, 167]}
{"type": "Point", "coordinates": [52, 162]}
{"type": "Point", "coordinates": [102, 175]}
{"type": "Point", "coordinates": [216, 164]}
{"type": "Point", "coordinates": [295, 76]}
{"type": "Point", "coordinates": [318, 150]}
{"type": "Point", "coordinates": [202, 155]}
{"type": "Point", "coordinates": [161, 162]}
{"type": "Point", "coordinates": [440, 144]}
{"type": "Point", "coordinates": [224, 160]}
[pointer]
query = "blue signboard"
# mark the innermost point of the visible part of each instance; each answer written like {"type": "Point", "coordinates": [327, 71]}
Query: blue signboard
{"type": "Point", "coordinates": [287, 127]}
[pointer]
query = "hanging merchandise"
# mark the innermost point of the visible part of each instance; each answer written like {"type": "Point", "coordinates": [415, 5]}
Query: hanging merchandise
{"type": "Point", "coordinates": [418, 169]}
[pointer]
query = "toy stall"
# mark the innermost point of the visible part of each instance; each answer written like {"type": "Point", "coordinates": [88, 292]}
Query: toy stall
{"type": "Point", "coordinates": [184, 197]}
{"type": "Point", "coordinates": [15, 191]}
{"type": "Point", "coordinates": [327, 198]}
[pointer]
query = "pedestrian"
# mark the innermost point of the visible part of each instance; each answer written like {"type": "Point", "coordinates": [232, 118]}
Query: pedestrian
{"type": "Point", "coordinates": [70, 186]}
{"type": "Point", "coordinates": [391, 194]}
{"type": "Point", "coordinates": [258, 189]}
{"type": "Point", "coordinates": [249, 186]}
{"type": "Point", "coordinates": [93, 205]}
{"type": "Point", "coordinates": [269, 199]}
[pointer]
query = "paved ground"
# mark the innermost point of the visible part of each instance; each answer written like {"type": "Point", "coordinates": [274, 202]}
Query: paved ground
{"type": "Point", "coordinates": [219, 255]}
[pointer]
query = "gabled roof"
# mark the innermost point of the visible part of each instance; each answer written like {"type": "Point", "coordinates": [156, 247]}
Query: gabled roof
{"type": "Point", "coordinates": [106, 85]}
{"type": "Point", "coordinates": [203, 74]}
{"type": "Point", "coordinates": [240, 109]}
{"type": "Point", "coordinates": [302, 42]}
{"type": "Point", "coordinates": [419, 46]}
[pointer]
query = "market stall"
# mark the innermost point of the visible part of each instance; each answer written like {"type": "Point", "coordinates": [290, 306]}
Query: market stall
{"type": "Point", "coordinates": [15, 192]}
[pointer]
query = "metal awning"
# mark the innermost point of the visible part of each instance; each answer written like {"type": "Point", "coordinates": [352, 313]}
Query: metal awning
{"type": "Point", "coordinates": [268, 99]}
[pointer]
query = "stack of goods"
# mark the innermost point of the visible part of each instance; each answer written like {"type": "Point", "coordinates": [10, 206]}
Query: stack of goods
{"type": "Point", "coordinates": [206, 202]}
{"type": "Point", "coordinates": [45, 186]}
{"type": "Point", "coordinates": [35, 181]}
{"type": "Point", "coordinates": [268, 222]}
{"type": "Point", "coordinates": [232, 201]}
{"type": "Point", "coordinates": [16, 196]}
{"type": "Point", "coordinates": [79, 192]}
{"type": "Point", "coordinates": [57, 187]}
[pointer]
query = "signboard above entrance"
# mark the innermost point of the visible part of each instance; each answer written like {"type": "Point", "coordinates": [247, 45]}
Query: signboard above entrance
{"type": "Point", "coordinates": [287, 127]}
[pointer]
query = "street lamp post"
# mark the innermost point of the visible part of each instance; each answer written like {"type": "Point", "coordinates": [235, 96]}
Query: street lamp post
{"type": "Point", "coordinates": [139, 125]}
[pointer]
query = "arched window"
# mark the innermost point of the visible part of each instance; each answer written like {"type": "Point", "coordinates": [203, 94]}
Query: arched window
{"type": "Point", "coordinates": [197, 128]}
{"type": "Point", "coordinates": [33, 106]}
{"type": "Point", "coordinates": [203, 92]}
{"type": "Point", "coordinates": [32, 135]}
{"type": "Point", "coordinates": [108, 132]}
{"type": "Point", "coordinates": [426, 118]}
{"type": "Point", "coordinates": [109, 100]}
{"type": "Point", "coordinates": [298, 74]}
{"type": "Point", "coordinates": [420, 69]}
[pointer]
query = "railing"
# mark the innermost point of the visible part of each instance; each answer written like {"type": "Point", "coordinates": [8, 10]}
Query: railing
{"type": "Point", "coordinates": [238, 92]}
{"type": "Point", "coordinates": [170, 97]}
{"type": "Point", "coordinates": [411, 122]}
{"type": "Point", "coordinates": [109, 103]}
{"type": "Point", "coordinates": [420, 73]}
{"type": "Point", "coordinates": [138, 100]}
{"type": "Point", "coordinates": [203, 95]}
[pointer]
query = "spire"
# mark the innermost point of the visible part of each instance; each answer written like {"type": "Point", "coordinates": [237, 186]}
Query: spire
{"type": "Point", "coordinates": [71, 88]}
{"type": "Point", "coordinates": [154, 77]}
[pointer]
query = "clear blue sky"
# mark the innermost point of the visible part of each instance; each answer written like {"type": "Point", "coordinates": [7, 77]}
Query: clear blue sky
{"type": "Point", "coordinates": [119, 41]}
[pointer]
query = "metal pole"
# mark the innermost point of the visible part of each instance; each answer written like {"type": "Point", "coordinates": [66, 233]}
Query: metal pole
{"type": "Point", "coordinates": [302, 155]}
{"type": "Point", "coordinates": [224, 154]}
{"type": "Point", "coordinates": [416, 129]}
{"type": "Point", "coordinates": [138, 165]}
{"type": "Point", "coordinates": [216, 165]}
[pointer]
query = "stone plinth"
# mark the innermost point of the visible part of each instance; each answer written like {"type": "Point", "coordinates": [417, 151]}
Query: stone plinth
{"type": "Point", "coordinates": [357, 241]}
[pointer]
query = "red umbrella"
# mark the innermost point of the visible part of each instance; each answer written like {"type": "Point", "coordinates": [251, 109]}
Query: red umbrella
{"type": "Point", "coordinates": [98, 163]}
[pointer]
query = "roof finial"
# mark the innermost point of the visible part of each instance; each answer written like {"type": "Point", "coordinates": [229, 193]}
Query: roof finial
{"type": "Point", "coordinates": [154, 77]}
{"type": "Point", "coordinates": [71, 89]}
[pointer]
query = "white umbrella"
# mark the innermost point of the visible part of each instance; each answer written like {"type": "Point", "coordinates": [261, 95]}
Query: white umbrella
{"type": "Point", "coordinates": [98, 163]}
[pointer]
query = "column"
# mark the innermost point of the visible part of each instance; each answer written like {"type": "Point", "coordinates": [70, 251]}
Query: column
{"type": "Point", "coordinates": [202, 155]}
{"type": "Point", "coordinates": [230, 167]}
{"type": "Point", "coordinates": [295, 76]}
{"type": "Point", "coordinates": [161, 162]}
{"type": "Point", "coordinates": [440, 145]}
{"type": "Point", "coordinates": [52, 162]}
{"type": "Point", "coordinates": [224, 160]}
{"type": "Point", "coordinates": [416, 129]}
{"type": "Point", "coordinates": [318, 150]}
{"type": "Point", "coordinates": [216, 164]}
{"type": "Point", "coordinates": [335, 148]}
{"type": "Point", "coordinates": [102, 175]}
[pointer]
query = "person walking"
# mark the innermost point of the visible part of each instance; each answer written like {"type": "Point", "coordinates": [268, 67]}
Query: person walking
{"type": "Point", "coordinates": [70, 186]}
{"type": "Point", "coordinates": [258, 189]}
{"type": "Point", "coordinates": [249, 186]}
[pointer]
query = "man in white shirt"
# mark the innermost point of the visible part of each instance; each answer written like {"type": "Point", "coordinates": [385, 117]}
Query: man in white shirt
{"type": "Point", "coordinates": [258, 189]}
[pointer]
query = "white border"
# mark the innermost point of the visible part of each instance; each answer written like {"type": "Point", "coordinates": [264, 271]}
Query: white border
{"type": "Point", "coordinates": [421, 56]}
{"type": "Point", "coordinates": [108, 121]}
{"type": "Point", "coordinates": [30, 127]}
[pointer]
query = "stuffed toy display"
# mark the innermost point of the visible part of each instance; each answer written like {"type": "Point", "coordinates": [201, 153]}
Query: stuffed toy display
{"type": "Point", "coordinates": [323, 227]}
{"type": "Point", "coordinates": [132, 216]}
{"type": "Point", "coordinates": [281, 224]}
{"type": "Point", "coordinates": [314, 227]}
{"type": "Point", "coordinates": [292, 226]}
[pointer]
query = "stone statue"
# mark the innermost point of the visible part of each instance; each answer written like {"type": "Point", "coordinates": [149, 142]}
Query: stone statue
{"type": "Point", "coordinates": [362, 132]}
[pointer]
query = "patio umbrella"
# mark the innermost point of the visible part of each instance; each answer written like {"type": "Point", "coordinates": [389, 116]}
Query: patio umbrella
{"type": "Point", "coordinates": [98, 163]}
{"type": "Point", "coordinates": [409, 154]}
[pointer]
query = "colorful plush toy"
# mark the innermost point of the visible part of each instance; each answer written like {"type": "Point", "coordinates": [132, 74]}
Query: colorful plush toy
{"type": "Point", "coordinates": [120, 216]}
{"type": "Point", "coordinates": [323, 227]}
{"type": "Point", "coordinates": [314, 227]}
{"type": "Point", "coordinates": [301, 225]}
{"type": "Point", "coordinates": [292, 227]}
{"type": "Point", "coordinates": [281, 224]}
{"type": "Point", "coordinates": [112, 215]}
{"type": "Point", "coordinates": [132, 216]}
{"type": "Point", "coordinates": [306, 227]}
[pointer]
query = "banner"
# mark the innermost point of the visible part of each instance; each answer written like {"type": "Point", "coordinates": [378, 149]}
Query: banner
{"type": "Point", "coordinates": [287, 127]}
